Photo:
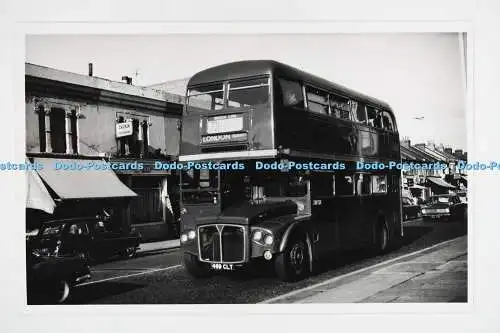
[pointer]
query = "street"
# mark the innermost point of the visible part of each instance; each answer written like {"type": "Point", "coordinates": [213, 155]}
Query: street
{"type": "Point", "coordinates": [160, 278]}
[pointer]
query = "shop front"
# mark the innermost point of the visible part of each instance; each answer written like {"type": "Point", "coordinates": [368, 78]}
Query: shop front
{"type": "Point", "coordinates": [77, 193]}
{"type": "Point", "coordinates": [154, 213]}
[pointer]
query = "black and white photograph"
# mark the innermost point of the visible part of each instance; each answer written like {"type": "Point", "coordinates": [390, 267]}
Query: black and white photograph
{"type": "Point", "coordinates": [262, 172]}
{"type": "Point", "coordinates": [210, 166]}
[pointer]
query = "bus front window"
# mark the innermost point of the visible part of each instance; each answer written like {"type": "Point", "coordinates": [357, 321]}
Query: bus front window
{"type": "Point", "coordinates": [208, 97]}
{"type": "Point", "coordinates": [251, 92]}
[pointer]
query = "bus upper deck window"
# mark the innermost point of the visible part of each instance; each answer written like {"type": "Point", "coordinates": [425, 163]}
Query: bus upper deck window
{"type": "Point", "coordinates": [291, 92]}
{"type": "Point", "coordinates": [374, 117]}
{"type": "Point", "coordinates": [340, 107]}
{"type": "Point", "coordinates": [249, 92]}
{"type": "Point", "coordinates": [208, 97]}
{"type": "Point", "coordinates": [317, 100]}
{"type": "Point", "coordinates": [387, 121]}
{"type": "Point", "coordinates": [359, 112]}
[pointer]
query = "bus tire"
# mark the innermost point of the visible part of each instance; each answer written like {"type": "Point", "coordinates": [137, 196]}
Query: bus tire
{"type": "Point", "coordinates": [293, 263]}
{"type": "Point", "coordinates": [381, 238]}
{"type": "Point", "coordinates": [194, 267]}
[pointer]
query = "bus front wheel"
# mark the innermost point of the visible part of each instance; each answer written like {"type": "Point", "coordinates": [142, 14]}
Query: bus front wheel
{"type": "Point", "coordinates": [292, 264]}
{"type": "Point", "coordinates": [194, 267]}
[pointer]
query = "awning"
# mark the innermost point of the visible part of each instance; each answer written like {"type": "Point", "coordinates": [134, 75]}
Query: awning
{"type": "Point", "coordinates": [440, 182]}
{"type": "Point", "coordinates": [37, 196]}
{"type": "Point", "coordinates": [82, 184]}
{"type": "Point", "coordinates": [419, 187]}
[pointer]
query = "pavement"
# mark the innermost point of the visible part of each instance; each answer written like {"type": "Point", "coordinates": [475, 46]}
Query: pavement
{"type": "Point", "coordinates": [434, 274]}
{"type": "Point", "coordinates": [159, 246]}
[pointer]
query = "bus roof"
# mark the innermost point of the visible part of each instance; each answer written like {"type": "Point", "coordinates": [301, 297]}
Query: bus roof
{"type": "Point", "coordinates": [247, 68]}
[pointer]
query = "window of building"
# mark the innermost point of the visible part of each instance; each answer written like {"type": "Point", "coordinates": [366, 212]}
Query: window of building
{"type": "Point", "coordinates": [340, 107]}
{"type": "Point", "coordinates": [379, 184]}
{"type": "Point", "coordinates": [58, 129]}
{"type": "Point", "coordinates": [343, 185]}
{"type": "Point", "coordinates": [317, 100]}
{"type": "Point", "coordinates": [363, 184]}
{"type": "Point", "coordinates": [137, 143]}
{"type": "Point", "coordinates": [292, 93]}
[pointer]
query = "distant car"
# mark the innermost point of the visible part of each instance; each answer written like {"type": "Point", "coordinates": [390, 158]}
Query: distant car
{"type": "Point", "coordinates": [50, 277]}
{"type": "Point", "coordinates": [84, 235]}
{"type": "Point", "coordinates": [445, 206]}
{"type": "Point", "coordinates": [462, 196]}
{"type": "Point", "coordinates": [410, 210]}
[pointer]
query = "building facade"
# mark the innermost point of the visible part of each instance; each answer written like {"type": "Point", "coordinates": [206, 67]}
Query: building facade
{"type": "Point", "coordinates": [74, 117]}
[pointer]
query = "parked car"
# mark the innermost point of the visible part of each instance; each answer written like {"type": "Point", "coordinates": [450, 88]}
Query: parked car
{"type": "Point", "coordinates": [51, 277]}
{"type": "Point", "coordinates": [445, 206]}
{"type": "Point", "coordinates": [462, 196]}
{"type": "Point", "coordinates": [410, 209]}
{"type": "Point", "coordinates": [85, 235]}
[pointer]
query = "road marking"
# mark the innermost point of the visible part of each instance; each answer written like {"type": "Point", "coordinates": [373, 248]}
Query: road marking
{"type": "Point", "coordinates": [130, 275]}
{"type": "Point", "coordinates": [361, 270]}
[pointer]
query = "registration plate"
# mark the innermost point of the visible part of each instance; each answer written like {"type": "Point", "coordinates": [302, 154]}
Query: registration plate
{"type": "Point", "coordinates": [224, 124]}
{"type": "Point", "coordinates": [223, 267]}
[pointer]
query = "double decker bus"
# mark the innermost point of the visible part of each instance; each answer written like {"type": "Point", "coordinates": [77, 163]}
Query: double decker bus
{"type": "Point", "coordinates": [271, 158]}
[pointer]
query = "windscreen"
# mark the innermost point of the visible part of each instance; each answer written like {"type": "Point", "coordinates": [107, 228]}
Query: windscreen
{"type": "Point", "coordinates": [240, 93]}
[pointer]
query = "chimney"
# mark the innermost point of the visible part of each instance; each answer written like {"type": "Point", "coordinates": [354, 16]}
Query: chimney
{"type": "Point", "coordinates": [405, 142]}
{"type": "Point", "coordinates": [127, 79]}
{"type": "Point", "coordinates": [91, 69]}
{"type": "Point", "coordinates": [448, 150]}
{"type": "Point", "coordinates": [420, 145]}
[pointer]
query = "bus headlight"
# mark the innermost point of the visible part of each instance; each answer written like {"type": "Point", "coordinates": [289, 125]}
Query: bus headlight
{"type": "Point", "coordinates": [191, 234]}
{"type": "Point", "coordinates": [268, 240]}
{"type": "Point", "coordinates": [184, 238]}
{"type": "Point", "coordinates": [257, 236]}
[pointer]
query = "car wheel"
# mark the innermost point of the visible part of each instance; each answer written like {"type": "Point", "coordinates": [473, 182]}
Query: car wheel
{"type": "Point", "coordinates": [293, 263]}
{"type": "Point", "coordinates": [130, 252]}
{"type": "Point", "coordinates": [194, 267]}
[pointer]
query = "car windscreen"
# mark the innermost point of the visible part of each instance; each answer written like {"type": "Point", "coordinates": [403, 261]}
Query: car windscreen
{"type": "Point", "coordinates": [440, 199]}
{"type": "Point", "coordinates": [52, 230]}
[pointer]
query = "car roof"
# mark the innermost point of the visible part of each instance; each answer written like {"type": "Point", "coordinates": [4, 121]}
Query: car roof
{"type": "Point", "coordinates": [71, 220]}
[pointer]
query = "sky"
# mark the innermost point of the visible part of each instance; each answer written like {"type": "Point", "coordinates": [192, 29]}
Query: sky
{"type": "Point", "coordinates": [418, 74]}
